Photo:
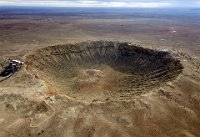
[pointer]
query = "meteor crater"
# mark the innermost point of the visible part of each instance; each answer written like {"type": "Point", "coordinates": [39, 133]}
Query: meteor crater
{"type": "Point", "coordinates": [103, 70]}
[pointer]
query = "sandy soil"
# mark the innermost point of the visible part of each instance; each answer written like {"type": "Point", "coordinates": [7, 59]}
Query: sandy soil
{"type": "Point", "coordinates": [28, 107]}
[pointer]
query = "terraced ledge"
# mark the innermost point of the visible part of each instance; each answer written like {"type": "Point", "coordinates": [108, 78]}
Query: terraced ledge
{"type": "Point", "coordinates": [103, 70]}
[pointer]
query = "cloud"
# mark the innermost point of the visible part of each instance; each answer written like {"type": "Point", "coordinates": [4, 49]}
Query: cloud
{"type": "Point", "coordinates": [82, 3]}
{"type": "Point", "coordinates": [98, 3]}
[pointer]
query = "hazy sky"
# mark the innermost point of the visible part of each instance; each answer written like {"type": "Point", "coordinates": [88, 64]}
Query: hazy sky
{"type": "Point", "coordinates": [102, 3]}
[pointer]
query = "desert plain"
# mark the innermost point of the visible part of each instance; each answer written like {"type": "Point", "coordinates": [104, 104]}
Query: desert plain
{"type": "Point", "coordinates": [33, 106]}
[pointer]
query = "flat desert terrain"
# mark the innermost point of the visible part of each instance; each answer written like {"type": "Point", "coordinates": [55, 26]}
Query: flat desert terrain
{"type": "Point", "coordinates": [114, 72]}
